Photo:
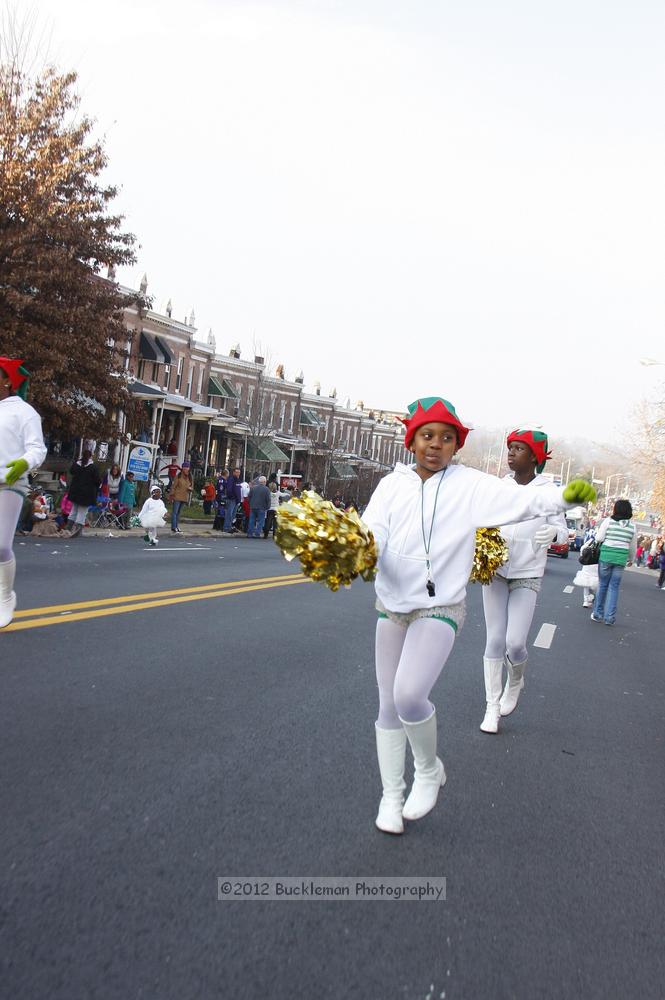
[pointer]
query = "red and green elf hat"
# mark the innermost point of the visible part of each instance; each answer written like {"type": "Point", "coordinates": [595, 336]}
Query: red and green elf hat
{"type": "Point", "coordinates": [432, 409]}
{"type": "Point", "coordinates": [18, 375]}
{"type": "Point", "coordinates": [536, 441]}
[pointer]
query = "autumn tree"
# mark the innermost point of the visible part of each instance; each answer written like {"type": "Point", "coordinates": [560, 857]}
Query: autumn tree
{"type": "Point", "coordinates": [57, 235]}
{"type": "Point", "coordinates": [649, 444]}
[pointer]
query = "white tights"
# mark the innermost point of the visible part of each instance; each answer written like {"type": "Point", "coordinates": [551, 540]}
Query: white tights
{"type": "Point", "coordinates": [508, 617]}
{"type": "Point", "coordinates": [408, 662]}
{"type": "Point", "coordinates": [10, 508]}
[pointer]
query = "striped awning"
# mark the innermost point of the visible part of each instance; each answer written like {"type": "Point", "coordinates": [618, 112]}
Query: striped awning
{"type": "Point", "coordinates": [218, 386]}
{"type": "Point", "coordinates": [265, 450]}
{"type": "Point", "coordinates": [149, 349]}
{"type": "Point", "coordinates": [342, 470]}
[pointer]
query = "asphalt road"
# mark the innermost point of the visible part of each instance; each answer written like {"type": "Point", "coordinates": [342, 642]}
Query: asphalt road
{"type": "Point", "coordinates": [147, 752]}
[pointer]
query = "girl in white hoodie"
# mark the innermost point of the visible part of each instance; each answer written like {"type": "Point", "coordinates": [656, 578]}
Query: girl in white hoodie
{"type": "Point", "coordinates": [21, 450]}
{"type": "Point", "coordinates": [509, 600]}
{"type": "Point", "coordinates": [424, 518]}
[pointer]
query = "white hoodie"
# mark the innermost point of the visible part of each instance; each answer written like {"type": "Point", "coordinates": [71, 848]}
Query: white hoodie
{"type": "Point", "coordinates": [20, 434]}
{"type": "Point", "coordinates": [523, 561]}
{"type": "Point", "coordinates": [467, 499]}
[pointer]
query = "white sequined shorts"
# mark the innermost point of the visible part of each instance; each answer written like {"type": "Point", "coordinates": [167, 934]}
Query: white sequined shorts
{"type": "Point", "coordinates": [525, 582]}
{"type": "Point", "coordinates": [453, 614]}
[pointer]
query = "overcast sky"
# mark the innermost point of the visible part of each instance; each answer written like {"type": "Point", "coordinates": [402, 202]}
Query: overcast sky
{"type": "Point", "coordinates": [402, 199]}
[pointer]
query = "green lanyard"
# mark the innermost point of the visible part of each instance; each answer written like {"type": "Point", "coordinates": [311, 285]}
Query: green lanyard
{"type": "Point", "coordinates": [431, 589]}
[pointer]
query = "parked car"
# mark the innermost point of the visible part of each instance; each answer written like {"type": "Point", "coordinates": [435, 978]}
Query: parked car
{"type": "Point", "coordinates": [559, 549]}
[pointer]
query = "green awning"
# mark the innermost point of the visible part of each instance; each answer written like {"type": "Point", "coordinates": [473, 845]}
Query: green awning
{"type": "Point", "coordinates": [265, 451]}
{"type": "Point", "coordinates": [342, 470]}
{"type": "Point", "coordinates": [221, 387]}
{"type": "Point", "coordinates": [310, 418]}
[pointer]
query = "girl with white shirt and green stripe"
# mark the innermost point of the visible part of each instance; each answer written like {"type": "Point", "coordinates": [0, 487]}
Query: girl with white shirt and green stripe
{"type": "Point", "coordinates": [619, 543]}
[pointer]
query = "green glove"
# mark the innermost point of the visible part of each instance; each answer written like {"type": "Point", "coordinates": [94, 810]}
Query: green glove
{"type": "Point", "coordinates": [579, 491]}
{"type": "Point", "coordinates": [15, 470]}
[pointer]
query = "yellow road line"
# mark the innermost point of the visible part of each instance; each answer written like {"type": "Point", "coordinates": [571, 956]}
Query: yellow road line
{"type": "Point", "coordinates": [121, 610]}
{"type": "Point", "coordinates": [104, 601]}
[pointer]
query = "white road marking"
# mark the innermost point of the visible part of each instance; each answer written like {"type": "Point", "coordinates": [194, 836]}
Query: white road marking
{"type": "Point", "coordinates": [568, 590]}
{"type": "Point", "coordinates": [545, 635]}
{"type": "Point", "coordinates": [180, 548]}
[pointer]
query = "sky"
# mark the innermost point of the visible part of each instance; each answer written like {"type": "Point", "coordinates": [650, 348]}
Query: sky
{"type": "Point", "coordinates": [401, 200]}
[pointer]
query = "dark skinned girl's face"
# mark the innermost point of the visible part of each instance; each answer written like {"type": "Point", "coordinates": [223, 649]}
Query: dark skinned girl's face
{"type": "Point", "coordinates": [434, 446]}
{"type": "Point", "coordinates": [521, 459]}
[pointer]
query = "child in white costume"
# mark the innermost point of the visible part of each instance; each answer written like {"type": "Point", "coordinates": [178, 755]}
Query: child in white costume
{"type": "Point", "coordinates": [22, 449]}
{"type": "Point", "coordinates": [152, 514]}
{"type": "Point", "coordinates": [424, 518]}
{"type": "Point", "coordinates": [587, 576]}
{"type": "Point", "coordinates": [509, 601]}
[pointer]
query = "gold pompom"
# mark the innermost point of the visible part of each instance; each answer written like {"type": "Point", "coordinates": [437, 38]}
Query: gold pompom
{"type": "Point", "coordinates": [334, 547]}
{"type": "Point", "coordinates": [491, 552]}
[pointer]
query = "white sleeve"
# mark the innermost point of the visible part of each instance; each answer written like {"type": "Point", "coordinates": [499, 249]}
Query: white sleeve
{"type": "Point", "coordinates": [377, 514]}
{"type": "Point", "coordinates": [33, 439]}
{"type": "Point", "coordinates": [558, 521]}
{"type": "Point", "coordinates": [602, 530]}
{"type": "Point", "coordinates": [495, 501]}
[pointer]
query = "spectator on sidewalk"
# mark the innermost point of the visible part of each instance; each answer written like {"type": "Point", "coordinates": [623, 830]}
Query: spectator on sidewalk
{"type": "Point", "coordinates": [259, 505]}
{"type": "Point", "coordinates": [233, 498]}
{"type": "Point", "coordinates": [127, 498]}
{"type": "Point", "coordinates": [111, 482]}
{"type": "Point", "coordinates": [661, 564]}
{"type": "Point", "coordinates": [276, 497]}
{"type": "Point", "coordinates": [83, 488]}
{"type": "Point", "coordinates": [180, 494]}
{"type": "Point", "coordinates": [208, 494]}
{"type": "Point", "coordinates": [244, 501]}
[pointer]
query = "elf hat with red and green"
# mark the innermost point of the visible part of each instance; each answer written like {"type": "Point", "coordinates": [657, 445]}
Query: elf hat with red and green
{"type": "Point", "coordinates": [16, 373]}
{"type": "Point", "coordinates": [536, 441]}
{"type": "Point", "coordinates": [432, 409]}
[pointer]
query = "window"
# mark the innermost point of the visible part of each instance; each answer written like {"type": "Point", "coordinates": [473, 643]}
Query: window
{"type": "Point", "coordinates": [273, 401]}
{"type": "Point", "coordinates": [188, 394]}
{"type": "Point", "coordinates": [198, 394]}
{"type": "Point", "coordinates": [250, 399]}
{"type": "Point", "coordinates": [282, 411]}
{"type": "Point", "coordinates": [178, 378]}
{"type": "Point", "coordinates": [155, 371]}
{"type": "Point", "coordinates": [293, 416]}
{"type": "Point", "coordinates": [167, 376]}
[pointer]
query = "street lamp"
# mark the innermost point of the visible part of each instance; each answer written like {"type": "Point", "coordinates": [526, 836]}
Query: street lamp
{"type": "Point", "coordinates": [620, 475]}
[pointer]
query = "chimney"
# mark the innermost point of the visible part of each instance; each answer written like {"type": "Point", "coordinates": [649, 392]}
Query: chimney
{"type": "Point", "coordinates": [235, 351]}
{"type": "Point", "coordinates": [258, 360]}
{"type": "Point", "coordinates": [169, 309]}
{"type": "Point", "coordinates": [300, 378]}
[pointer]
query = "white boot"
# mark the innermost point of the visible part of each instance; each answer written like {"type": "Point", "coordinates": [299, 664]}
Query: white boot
{"type": "Point", "coordinates": [7, 595]}
{"type": "Point", "coordinates": [514, 685]}
{"type": "Point", "coordinates": [493, 675]}
{"type": "Point", "coordinates": [391, 751]}
{"type": "Point", "coordinates": [430, 775]}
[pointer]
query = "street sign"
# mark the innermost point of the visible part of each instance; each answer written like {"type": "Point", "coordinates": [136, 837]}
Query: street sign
{"type": "Point", "coordinates": [140, 460]}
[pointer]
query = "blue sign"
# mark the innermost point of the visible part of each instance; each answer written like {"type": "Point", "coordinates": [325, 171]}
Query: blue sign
{"type": "Point", "coordinates": [140, 460]}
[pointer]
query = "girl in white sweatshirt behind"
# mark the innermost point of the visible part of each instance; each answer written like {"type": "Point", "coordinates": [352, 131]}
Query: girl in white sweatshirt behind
{"type": "Point", "coordinates": [509, 601]}
{"type": "Point", "coordinates": [424, 518]}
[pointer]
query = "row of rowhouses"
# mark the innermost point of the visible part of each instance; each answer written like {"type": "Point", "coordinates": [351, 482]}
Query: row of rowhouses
{"type": "Point", "coordinates": [222, 410]}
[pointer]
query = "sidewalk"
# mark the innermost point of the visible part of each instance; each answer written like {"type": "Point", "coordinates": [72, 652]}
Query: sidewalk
{"type": "Point", "coordinates": [188, 529]}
